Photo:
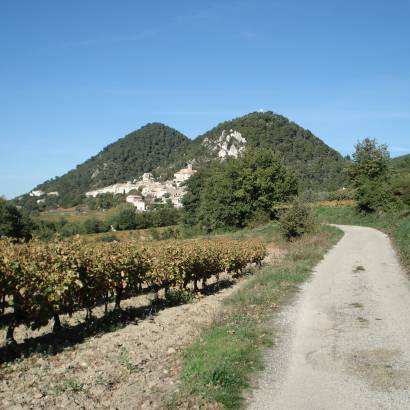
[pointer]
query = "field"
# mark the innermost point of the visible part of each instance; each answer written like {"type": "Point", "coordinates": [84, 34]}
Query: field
{"type": "Point", "coordinates": [136, 354]}
{"type": "Point", "coordinates": [95, 362]}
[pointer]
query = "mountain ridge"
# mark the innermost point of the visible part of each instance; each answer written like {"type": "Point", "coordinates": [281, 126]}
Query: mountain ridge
{"type": "Point", "coordinates": [161, 150]}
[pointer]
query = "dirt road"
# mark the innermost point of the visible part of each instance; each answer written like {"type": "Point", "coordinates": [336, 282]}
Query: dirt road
{"type": "Point", "coordinates": [345, 342]}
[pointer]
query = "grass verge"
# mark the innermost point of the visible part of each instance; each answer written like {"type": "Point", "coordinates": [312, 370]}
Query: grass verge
{"type": "Point", "coordinates": [219, 365]}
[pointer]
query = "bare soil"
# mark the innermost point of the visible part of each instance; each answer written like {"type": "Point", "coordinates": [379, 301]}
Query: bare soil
{"type": "Point", "coordinates": [107, 367]}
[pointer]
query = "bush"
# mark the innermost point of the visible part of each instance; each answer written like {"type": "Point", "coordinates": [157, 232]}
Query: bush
{"type": "Point", "coordinates": [123, 217]}
{"type": "Point", "coordinates": [296, 221]}
{"type": "Point", "coordinates": [94, 225]}
{"type": "Point", "coordinates": [258, 218]}
{"type": "Point", "coordinates": [342, 194]}
{"type": "Point", "coordinates": [374, 196]}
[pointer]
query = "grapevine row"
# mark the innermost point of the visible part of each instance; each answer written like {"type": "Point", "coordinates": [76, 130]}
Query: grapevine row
{"type": "Point", "coordinates": [40, 281]}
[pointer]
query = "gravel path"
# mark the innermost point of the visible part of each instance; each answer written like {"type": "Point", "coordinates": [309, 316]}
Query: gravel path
{"type": "Point", "coordinates": [345, 343]}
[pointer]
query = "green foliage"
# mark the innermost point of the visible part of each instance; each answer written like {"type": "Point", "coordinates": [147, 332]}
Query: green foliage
{"type": "Point", "coordinates": [152, 146]}
{"type": "Point", "coordinates": [401, 178]}
{"type": "Point", "coordinates": [370, 160]}
{"type": "Point", "coordinates": [219, 365]}
{"type": "Point", "coordinates": [104, 201]}
{"type": "Point", "coordinates": [42, 280]}
{"type": "Point", "coordinates": [316, 164]}
{"type": "Point", "coordinates": [13, 222]}
{"type": "Point", "coordinates": [371, 177]}
{"type": "Point", "coordinates": [123, 218]}
{"type": "Point", "coordinates": [229, 194]}
{"type": "Point", "coordinates": [162, 150]}
{"type": "Point", "coordinates": [47, 229]}
{"type": "Point", "coordinates": [374, 195]}
{"type": "Point", "coordinates": [94, 225]}
{"type": "Point", "coordinates": [296, 221]}
{"type": "Point", "coordinates": [342, 194]}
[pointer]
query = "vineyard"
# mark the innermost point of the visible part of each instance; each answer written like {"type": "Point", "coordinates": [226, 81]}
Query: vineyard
{"type": "Point", "coordinates": [41, 281]}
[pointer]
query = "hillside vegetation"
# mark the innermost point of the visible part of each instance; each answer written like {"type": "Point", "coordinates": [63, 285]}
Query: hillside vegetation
{"type": "Point", "coordinates": [144, 150]}
{"type": "Point", "coordinates": [162, 150]}
{"type": "Point", "coordinates": [316, 164]}
{"type": "Point", "coordinates": [401, 177]}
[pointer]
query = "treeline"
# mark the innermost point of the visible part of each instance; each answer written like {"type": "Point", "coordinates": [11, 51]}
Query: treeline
{"type": "Point", "coordinates": [42, 280]}
{"type": "Point", "coordinates": [123, 217]}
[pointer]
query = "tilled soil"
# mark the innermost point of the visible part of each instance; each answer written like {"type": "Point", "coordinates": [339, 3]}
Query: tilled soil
{"type": "Point", "coordinates": [129, 368]}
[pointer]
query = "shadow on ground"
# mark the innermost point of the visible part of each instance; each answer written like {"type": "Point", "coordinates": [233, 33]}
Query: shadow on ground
{"type": "Point", "coordinates": [68, 336]}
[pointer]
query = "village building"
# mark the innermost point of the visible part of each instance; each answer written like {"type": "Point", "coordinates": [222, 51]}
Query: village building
{"type": "Point", "coordinates": [37, 193]}
{"type": "Point", "coordinates": [120, 188]}
{"type": "Point", "coordinates": [184, 174]}
{"type": "Point", "coordinates": [150, 190]}
{"type": "Point", "coordinates": [147, 177]}
{"type": "Point", "coordinates": [137, 201]}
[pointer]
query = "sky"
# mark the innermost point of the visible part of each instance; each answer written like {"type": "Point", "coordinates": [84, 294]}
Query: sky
{"type": "Point", "coordinates": [76, 75]}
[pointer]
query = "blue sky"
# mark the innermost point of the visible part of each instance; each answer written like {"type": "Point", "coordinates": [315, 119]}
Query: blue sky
{"type": "Point", "coordinates": [76, 75]}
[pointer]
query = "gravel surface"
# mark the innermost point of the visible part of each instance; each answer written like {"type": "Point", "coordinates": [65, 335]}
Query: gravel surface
{"type": "Point", "coordinates": [345, 342]}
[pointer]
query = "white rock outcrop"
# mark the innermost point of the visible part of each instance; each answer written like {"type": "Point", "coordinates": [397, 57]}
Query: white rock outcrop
{"type": "Point", "coordinates": [229, 144]}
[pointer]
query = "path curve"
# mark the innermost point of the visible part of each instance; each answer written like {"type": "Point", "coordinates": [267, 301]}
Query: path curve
{"type": "Point", "coordinates": [345, 342]}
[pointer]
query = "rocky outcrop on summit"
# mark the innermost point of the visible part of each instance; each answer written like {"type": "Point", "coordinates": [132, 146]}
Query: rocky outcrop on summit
{"type": "Point", "coordinates": [229, 144]}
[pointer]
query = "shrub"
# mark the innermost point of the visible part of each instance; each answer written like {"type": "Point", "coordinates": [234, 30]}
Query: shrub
{"type": "Point", "coordinates": [296, 221]}
{"type": "Point", "coordinates": [258, 218]}
{"type": "Point", "coordinates": [374, 196]}
{"type": "Point", "coordinates": [342, 194]}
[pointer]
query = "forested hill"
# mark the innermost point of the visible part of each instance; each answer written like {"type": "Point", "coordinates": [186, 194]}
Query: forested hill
{"type": "Point", "coordinates": [161, 150]}
{"type": "Point", "coordinates": [154, 145]}
{"type": "Point", "coordinates": [318, 165]}
{"type": "Point", "coordinates": [401, 164]}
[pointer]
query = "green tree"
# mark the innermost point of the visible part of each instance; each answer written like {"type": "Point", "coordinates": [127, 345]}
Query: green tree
{"type": "Point", "coordinates": [371, 177]}
{"type": "Point", "coordinates": [229, 194]}
{"type": "Point", "coordinates": [94, 225]}
{"type": "Point", "coordinates": [123, 217]}
{"type": "Point", "coordinates": [14, 223]}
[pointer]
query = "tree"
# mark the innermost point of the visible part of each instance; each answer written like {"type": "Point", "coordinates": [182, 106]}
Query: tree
{"type": "Point", "coordinates": [229, 194]}
{"type": "Point", "coordinates": [123, 217]}
{"type": "Point", "coordinates": [14, 223]}
{"type": "Point", "coordinates": [371, 177]}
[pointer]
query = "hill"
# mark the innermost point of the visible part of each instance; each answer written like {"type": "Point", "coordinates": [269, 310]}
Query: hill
{"type": "Point", "coordinates": [318, 165]}
{"type": "Point", "coordinates": [152, 146]}
{"type": "Point", "coordinates": [401, 177]}
{"type": "Point", "coordinates": [161, 150]}
{"type": "Point", "coordinates": [401, 163]}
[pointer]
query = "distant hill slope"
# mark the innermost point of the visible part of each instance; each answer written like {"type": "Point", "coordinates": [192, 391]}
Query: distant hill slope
{"type": "Point", "coordinates": [318, 165]}
{"type": "Point", "coordinates": [160, 149]}
{"type": "Point", "coordinates": [401, 177]}
{"type": "Point", "coordinates": [401, 163]}
{"type": "Point", "coordinates": [144, 150]}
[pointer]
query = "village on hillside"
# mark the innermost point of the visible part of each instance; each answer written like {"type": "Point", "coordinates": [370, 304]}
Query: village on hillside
{"type": "Point", "coordinates": [141, 192]}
